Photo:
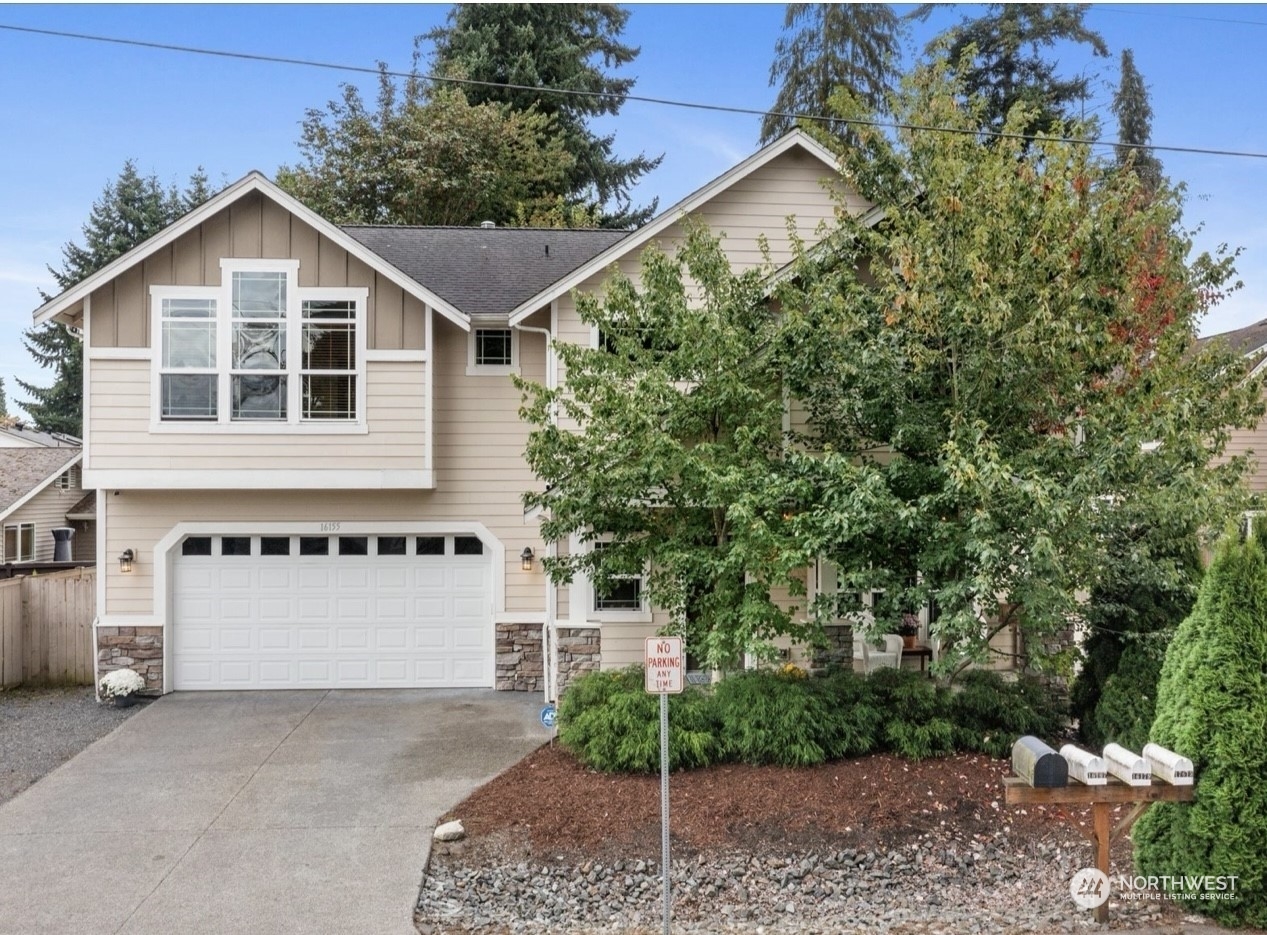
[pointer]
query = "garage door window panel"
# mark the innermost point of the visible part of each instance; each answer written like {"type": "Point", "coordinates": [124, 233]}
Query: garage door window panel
{"type": "Point", "coordinates": [314, 545]}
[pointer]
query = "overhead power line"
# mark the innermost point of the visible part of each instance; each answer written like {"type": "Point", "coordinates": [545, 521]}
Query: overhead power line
{"type": "Point", "coordinates": [644, 99]}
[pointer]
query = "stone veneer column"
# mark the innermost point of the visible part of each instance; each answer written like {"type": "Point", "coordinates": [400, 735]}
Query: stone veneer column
{"type": "Point", "coordinates": [137, 648]}
{"type": "Point", "coordinates": [519, 665]}
{"type": "Point", "coordinates": [579, 652]}
{"type": "Point", "coordinates": [839, 648]}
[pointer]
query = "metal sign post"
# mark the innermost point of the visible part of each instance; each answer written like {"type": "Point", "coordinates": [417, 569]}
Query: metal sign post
{"type": "Point", "coordinates": [664, 665]}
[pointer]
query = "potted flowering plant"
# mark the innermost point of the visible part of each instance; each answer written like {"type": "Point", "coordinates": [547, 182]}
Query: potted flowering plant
{"type": "Point", "coordinates": [908, 629]}
{"type": "Point", "coordinates": [120, 687]}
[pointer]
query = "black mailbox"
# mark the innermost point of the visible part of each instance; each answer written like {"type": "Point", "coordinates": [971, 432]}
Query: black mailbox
{"type": "Point", "coordinates": [1038, 764]}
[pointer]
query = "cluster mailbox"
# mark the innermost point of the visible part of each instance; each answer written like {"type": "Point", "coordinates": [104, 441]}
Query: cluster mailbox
{"type": "Point", "coordinates": [1127, 766]}
{"type": "Point", "coordinates": [1168, 766]}
{"type": "Point", "coordinates": [1038, 764]}
{"type": "Point", "coordinates": [1086, 768]}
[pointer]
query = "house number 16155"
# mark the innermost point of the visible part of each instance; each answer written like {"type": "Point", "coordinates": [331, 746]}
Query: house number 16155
{"type": "Point", "coordinates": [330, 527]}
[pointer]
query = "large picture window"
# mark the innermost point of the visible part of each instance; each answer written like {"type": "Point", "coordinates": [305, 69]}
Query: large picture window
{"type": "Point", "coordinates": [260, 349]}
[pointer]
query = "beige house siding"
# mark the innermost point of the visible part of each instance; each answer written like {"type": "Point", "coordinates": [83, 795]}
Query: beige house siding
{"type": "Point", "coordinates": [1252, 442]}
{"type": "Point", "coordinates": [252, 227]}
{"type": "Point", "coordinates": [480, 476]}
{"type": "Point", "coordinates": [47, 510]}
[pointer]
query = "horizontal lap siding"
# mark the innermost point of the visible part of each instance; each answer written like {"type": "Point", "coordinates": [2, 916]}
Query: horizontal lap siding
{"type": "Point", "coordinates": [1252, 442]}
{"type": "Point", "coordinates": [120, 437]}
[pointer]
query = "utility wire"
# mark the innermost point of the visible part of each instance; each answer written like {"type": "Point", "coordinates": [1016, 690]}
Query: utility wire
{"type": "Point", "coordinates": [643, 99]}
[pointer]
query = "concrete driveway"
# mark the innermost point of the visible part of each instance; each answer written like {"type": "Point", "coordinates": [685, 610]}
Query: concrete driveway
{"type": "Point", "coordinates": [253, 812]}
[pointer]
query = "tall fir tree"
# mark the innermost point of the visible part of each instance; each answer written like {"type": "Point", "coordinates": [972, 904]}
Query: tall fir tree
{"type": "Point", "coordinates": [131, 209]}
{"type": "Point", "coordinates": [4, 403]}
{"type": "Point", "coordinates": [1000, 54]}
{"type": "Point", "coordinates": [565, 46]}
{"type": "Point", "coordinates": [1135, 125]}
{"type": "Point", "coordinates": [828, 46]}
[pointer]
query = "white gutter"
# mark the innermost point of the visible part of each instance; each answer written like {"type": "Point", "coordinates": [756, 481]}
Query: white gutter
{"type": "Point", "coordinates": [550, 629]}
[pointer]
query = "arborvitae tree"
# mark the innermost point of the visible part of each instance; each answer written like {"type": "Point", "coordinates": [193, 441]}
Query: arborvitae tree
{"type": "Point", "coordinates": [131, 209]}
{"type": "Point", "coordinates": [828, 46]}
{"type": "Point", "coordinates": [1000, 53]}
{"type": "Point", "coordinates": [429, 159]}
{"type": "Point", "coordinates": [1212, 709]}
{"type": "Point", "coordinates": [1135, 125]}
{"type": "Point", "coordinates": [543, 46]}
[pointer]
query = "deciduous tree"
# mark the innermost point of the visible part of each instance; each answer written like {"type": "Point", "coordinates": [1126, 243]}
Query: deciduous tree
{"type": "Point", "coordinates": [996, 391]}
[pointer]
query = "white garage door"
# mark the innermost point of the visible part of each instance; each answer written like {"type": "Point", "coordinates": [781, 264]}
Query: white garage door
{"type": "Point", "coordinates": [370, 611]}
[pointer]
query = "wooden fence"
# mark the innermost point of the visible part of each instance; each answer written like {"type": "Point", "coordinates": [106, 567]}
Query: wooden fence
{"type": "Point", "coordinates": [46, 628]}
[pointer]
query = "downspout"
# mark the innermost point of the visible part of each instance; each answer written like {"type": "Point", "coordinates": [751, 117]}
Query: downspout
{"type": "Point", "coordinates": [550, 627]}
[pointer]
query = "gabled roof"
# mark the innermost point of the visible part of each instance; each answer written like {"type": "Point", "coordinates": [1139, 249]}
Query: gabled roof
{"type": "Point", "coordinates": [85, 509]}
{"type": "Point", "coordinates": [252, 182]}
{"type": "Point", "coordinates": [24, 472]}
{"type": "Point", "coordinates": [692, 202]}
{"type": "Point", "coordinates": [1244, 341]}
{"type": "Point", "coordinates": [485, 271]}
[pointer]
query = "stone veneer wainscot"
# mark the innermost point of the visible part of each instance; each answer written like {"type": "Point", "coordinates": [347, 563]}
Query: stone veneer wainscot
{"type": "Point", "coordinates": [137, 648]}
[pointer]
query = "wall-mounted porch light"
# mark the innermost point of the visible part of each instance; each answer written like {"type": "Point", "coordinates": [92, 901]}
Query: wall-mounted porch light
{"type": "Point", "coordinates": [525, 558]}
{"type": "Point", "coordinates": [126, 560]}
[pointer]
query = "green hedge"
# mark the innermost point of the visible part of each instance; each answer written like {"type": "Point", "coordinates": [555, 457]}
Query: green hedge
{"type": "Point", "coordinates": [782, 718]}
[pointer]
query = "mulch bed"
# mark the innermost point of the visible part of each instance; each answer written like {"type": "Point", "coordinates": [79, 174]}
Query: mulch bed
{"type": "Point", "coordinates": [549, 805]}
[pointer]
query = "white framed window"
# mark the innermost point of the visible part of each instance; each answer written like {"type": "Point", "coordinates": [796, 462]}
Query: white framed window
{"type": "Point", "coordinates": [624, 600]}
{"type": "Point", "coordinates": [19, 542]}
{"type": "Point", "coordinates": [492, 351]}
{"type": "Point", "coordinates": [259, 351]}
{"type": "Point", "coordinates": [66, 479]}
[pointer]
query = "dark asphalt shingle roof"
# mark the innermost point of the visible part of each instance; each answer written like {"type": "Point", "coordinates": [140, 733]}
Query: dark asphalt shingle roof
{"type": "Point", "coordinates": [85, 507]}
{"type": "Point", "coordinates": [1243, 340]}
{"type": "Point", "coordinates": [22, 469]}
{"type": "Point", "coordinates": [485, 271]}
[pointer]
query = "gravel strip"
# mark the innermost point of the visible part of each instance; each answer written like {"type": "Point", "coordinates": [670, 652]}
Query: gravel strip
{"type": "Point", "coordinates": [42, 728]}
{"type": "Point", "coordinates": [934, 885]}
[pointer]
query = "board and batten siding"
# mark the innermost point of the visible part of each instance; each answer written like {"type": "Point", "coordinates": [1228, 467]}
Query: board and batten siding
{"type": "Point", "coordinates": [480, 476]}
{"type": "Point", "coordinates": [119, 436]}
{"type": "Point", "coordinates": [253, 227]}
{"type": "Point", "coordinates": [47, 510]}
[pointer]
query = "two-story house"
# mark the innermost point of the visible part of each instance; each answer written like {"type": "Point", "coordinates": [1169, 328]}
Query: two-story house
{"type": "Point", "coordinates": [306, 448]}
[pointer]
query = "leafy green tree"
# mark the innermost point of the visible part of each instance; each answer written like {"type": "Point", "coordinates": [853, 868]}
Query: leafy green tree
{"type": "Point", "coordinates": [131, 209]}
{"type": "Point", "coordinates": [4, 405]}
{"type": "Point", "coordinates": [828, 46]}
{"type": "Point", "coordinates": [1000, 370]}
{"type": "Point", "coordinates": [1211, 708]}
{"type": "Point", "coordinates": [667, 438]}
{"type": "Point", "coordinates": [428, 159]}
{"type": "Point", "coordinates": [1001, 54]}
{"type": "Point", "coordinates": [539, 46]}
{"type": "Point", "coordinates": [1135, 125]}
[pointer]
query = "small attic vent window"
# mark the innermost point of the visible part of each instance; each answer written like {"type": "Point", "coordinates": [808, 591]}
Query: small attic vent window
{"type": "Point", "coordinates": [487, 225]}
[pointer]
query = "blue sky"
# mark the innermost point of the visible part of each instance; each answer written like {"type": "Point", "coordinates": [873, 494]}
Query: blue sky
{"type": "Point", "coordinates": [73, 111]}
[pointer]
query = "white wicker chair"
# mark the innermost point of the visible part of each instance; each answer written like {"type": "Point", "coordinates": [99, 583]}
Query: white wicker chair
{"type": "Point", "coordinates": [873, 658]}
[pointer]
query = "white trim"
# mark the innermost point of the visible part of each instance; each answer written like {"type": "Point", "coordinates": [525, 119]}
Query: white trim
{"type": "Point", "coordinates": [86, 414]}
{"type": "Point", "coordinates": [100, 524]}
{"type": "Point", "coordinates": [164, 555]}
{"type": "Point", "coordinates": [428, 449]}
{"type": "Point", "coordinates": [395, 356]}
{"type": "Point", "coordinates": [118, 353]}
{"type": "Point", "coordinates": [253, 181]}
{"type": "Point", "coordinates": [582, 612]}
{"type": "Point", "coordinates": [247, 479]}
{"type": "Point", "coordinates": [491, 370]}
{"type": "Point", "coordinates": [282, 430]}
{"type": "Point", "coordinates": [30, 494]}
{"type": "Point", "coordinates": [125, 620]}
{"type": "Point", "coordinates": [686, 206]}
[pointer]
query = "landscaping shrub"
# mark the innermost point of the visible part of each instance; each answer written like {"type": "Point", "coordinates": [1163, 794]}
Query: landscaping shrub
{"type": "Point", "coordinates": [860, 722]}
{"type": "Point", "coordinates": [1212, 708]}
{"type": "Point", "coordinates": [770, 717]}
{"type": "Point", "coordinates": [613, 725]}
{"type": "Point", "coordinates": [990, 713]}
{"type": "Point", "coordinates": [1128, 702]}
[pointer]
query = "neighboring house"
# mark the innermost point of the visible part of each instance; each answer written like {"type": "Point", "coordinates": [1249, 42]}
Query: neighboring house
{"type": "Point", "coordinates": [40, 491]}
{"type": "Point", "coordinates": [1249, 342]}
{"type": "Point", "coordinates": [307, 452]}
{"type": "Point", "coordinates": [15, 434]}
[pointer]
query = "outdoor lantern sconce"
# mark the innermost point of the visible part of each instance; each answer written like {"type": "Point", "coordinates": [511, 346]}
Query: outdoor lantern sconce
{"type": "Point", "coordinates": [125, 561]}
{"type": "Point", "coordinates": [525, 558]}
